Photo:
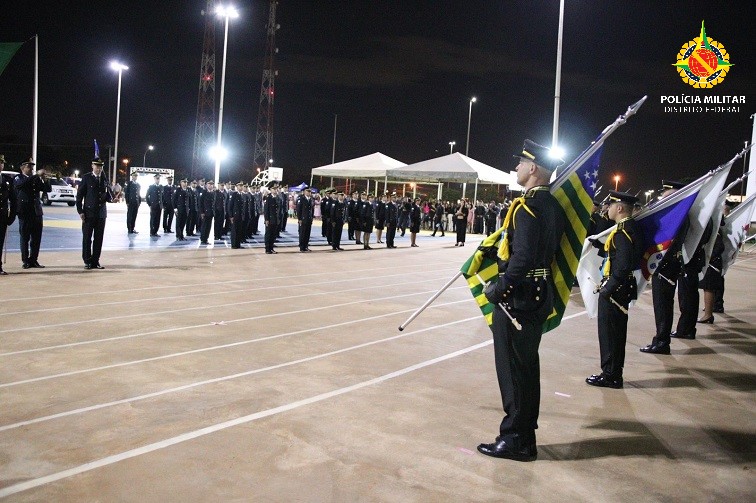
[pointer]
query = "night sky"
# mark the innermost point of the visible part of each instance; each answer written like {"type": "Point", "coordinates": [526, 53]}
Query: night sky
{"type": "Point", "coordinates": [399, 74]}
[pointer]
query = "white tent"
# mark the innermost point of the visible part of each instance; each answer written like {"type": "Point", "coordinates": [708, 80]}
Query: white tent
{"type": "Point", "coordinates": [452, 168]}
{"type": "Point", "coordinates": [374, 165]}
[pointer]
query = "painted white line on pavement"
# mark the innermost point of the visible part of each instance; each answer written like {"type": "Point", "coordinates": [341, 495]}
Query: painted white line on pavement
{"type": "Point", "coordinates": [135, 362]}
{"type": "Point", "coordinates": [146, 449]}
{"type": "Point", "coordinates": [193, 308]}
{"type": "Point", "coordinates": [240, 374]}
{"type": "Point", "coordinates": [393, 265]}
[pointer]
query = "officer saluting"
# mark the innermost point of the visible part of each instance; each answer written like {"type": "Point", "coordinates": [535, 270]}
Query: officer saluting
{"type": "Point", "coordinates": [624, 249]}
{"type": "Point", "coordinates": [534, 225]}
{"type": "Point", "coordinates": [29, 211]}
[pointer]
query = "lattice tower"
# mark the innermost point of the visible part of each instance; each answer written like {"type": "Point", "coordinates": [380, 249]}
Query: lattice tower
{"type": "Point", "coordinates": [204, 130]}
{"type": "Point", "coordinates": [264, 136]}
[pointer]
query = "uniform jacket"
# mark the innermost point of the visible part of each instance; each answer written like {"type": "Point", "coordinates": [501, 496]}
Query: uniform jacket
{"type": "Point", "coordinates": [270, 209]}
{"type": "Point", "coordinates": [338, 212]}
{"type": "Point", "coordinates": [7, 200]}
{"type": "Point", "coordinates": [306, 209]}
{"type": "Point", "coordinates": [154, 196]}
{"type": "Point", "coordinates": [132, 193]}
{"type": "Point", "coordinates": [207, 203]}
{"type": "Point", "coordinates": [624, 256]}
{"type": "Point", "coordinates": [234, 205]}
{"type": "Point", "coordinates": [392, 213]}
{"type": "Point", "coordinates": [167, 196]}
{"type": "Point", "coordinates": [27, 190]}
{"type": "Point", "coordinates": [93, 195]}
{"type": "Point", "coordinates": [180, 199]}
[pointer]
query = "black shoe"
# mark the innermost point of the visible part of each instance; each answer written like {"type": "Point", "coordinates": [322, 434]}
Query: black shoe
{"type": "Point", "coordinates": [97, 266]}
{"type": "Point", "coordinates": [718, 310]}
{"type": "Point", "coordinates": [3, 273]}
{"type": "Point", "coordinates": [204, 243]}
{"type": "Point", "coordinates": [656, 347]}
{"type": "Point", "coordinates": [26, 266]}
{"type": "Point", "coordinates": [87, 266]}
{"type": "Point", "coordinates": [340, 248]}
{"type": "Point", "coordinates": [602, 381]}
{"type": "Point", "coordinates": [500, 449]}
{"type": "Point", "coordinates": [689, 336]}
{"type": "Point", "coordinates": [37, 265]}
{"type": "Point", "coordinates": [155, 235]}
{"type": "Point", "coordinates": [358, 242]}
{"type": "Point", "coordinates": [433, 235]}
{"type": "Point", "coordinates": [709, 320]}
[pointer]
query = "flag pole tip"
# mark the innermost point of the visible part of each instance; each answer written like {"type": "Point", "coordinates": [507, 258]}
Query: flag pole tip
{"type": "Point", "coordinates": [401, 329]}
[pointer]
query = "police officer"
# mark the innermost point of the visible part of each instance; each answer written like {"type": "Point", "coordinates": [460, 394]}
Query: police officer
{"type": "Point", "coordinates": [167, 198]}
{"type": "Point", "coordinates": [29, 211]}
{"type": "Point", "coordinates": [380, 217]}
{"type": "Point", "coordinates": [664, 283]}
{"type": "Point", "coordinates": [361, 199]}
{"type": "Point", "coordinates": [415, 216]}
{"type": "Point", "coordinates": [305, 213]}
{"type": "Point", "coordinates": [271, 215]}
{"type": "Point", "coordinates": [191, 201]}
{"type": "Point", "coordinates": [438, 219]}
{"type": "Point", "coordinates": [234, 210]}
{"type": "Point", "coordinates": [7, 208]}
{"type": "Point", "coordinates": [257, 209]}
{"type": "Point", "coordinates": [246, 213]}
{"type": "Point", "coordinates": [534, 225]}
{"type": "Point", "coordinates": [624, 249]}
{"type": "Point", "coordinates": [337, 217]}
{"type": "Point", "coordinates": [325, 215]}
{"type": "Point", "coordinates": [219, 211]}
{"type": "Point", "coordinates": [180, 203]}
{"type": "Point", "coordinates": [154, 198]}
{"type": "Point", "coordinates": [367, 218]}
{"type": "Point", "coordinates": [392, 216]}
{"type": "Point", "coordinates": [92, 196]}
{"type": "Point", "coordinates": [351, 215]}
{"type": "Point", "coordinates": [133, 198]}
{"type": "Point", "coordinates": [207, 210]}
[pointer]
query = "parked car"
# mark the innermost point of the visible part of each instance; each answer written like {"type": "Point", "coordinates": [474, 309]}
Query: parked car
{"type": "Point", "coordinates": [61, 193]}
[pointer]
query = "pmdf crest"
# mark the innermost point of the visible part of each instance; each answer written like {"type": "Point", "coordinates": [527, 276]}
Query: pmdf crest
{"type": "Point", "coordinates": [703, 62]}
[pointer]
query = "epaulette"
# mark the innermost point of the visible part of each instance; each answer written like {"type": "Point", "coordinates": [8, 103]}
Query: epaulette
{"type": "Point", "coordinates": [532, 192]}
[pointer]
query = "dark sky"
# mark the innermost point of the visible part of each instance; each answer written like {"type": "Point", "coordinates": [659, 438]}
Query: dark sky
{"type": "Point", "coordinates": [399, 75]}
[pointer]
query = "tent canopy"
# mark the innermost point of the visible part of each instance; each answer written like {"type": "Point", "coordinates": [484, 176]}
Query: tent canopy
{"type": "Point", "coordinates": [374, 165]}
{"type": "Point", "coordinates": [451, 168]}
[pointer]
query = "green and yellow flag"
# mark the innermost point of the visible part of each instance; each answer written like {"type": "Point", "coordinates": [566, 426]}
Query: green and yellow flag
{"type": "Point", "coordinates": [574, 188]}
{"type": "Point", "coordinates": [7, 51]}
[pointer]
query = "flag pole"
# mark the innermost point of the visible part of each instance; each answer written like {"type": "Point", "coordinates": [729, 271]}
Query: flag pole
{"type": "Point", "coordinates": [429, 301]}
{"type": "Point", "coordinates": [36, 99]}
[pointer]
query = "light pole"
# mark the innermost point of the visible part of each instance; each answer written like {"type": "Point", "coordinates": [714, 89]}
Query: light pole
{"type": "Point", "coordinates": [557, 86]}
{"type": "Point", "coordinates": [219, 153]}
{"type": "Point", "coordinates": [451, 146]}
{"type": "Point", "coordinates": [616, 182]}
{"type": "Point", "coordinates": [115, 65]}
{"type": "Point", "coordinates": [144, 161]}
{"type": "Point", "coordinates": [467, 145]}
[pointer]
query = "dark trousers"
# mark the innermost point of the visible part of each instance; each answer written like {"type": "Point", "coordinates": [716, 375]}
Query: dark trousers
{"type": "Point", "coordinates": [351, 227]}
{"type": "Point", "coordinates": [663, 295]}
{"type": "Point", "coordinates": [478, 225]}
{"type": "Point", "coordinates": [271, 232]}
{"type": "Point", "coordinates": [390, 234]}
{"type": "Point", "coordinates": [191, 222]}
{"type": "Point", "coordinates": [438, 226]}
{"type": "Point", "coordinates": [305, 227]}
{"type": "Point", "coordinates": [718, 297]}
{"type": "Point", "coordinates": [518, 372]}
{"type": "Point", "coordinates": [255, 223]}
{"type": "Point", "coordinates": [327, 230]}
{"type": "Point", "coordinates": [180, 222]}
{"type": "Point", "coordinates": [461, 230]}
{"type": "Point", "coordinates": [30, 231]}
{"type": "Point", "coordinates": [612, 335]}
{"type": "Point", "coordinates": [220, 225]}
{"type": "Point", "coordinates": [3, 230]}
{"type": "Point", "coordinates": [131, 214]}
{"type": "Point", "coordinates": [236, 232]}
{"type": "Point", "coordinates": [167, 218]}
{"type": "Point", "coordinates": [336, 230]}
{"type": "Point", "coordinates": [154, 219]}
{"type": "Point", "coordinates": [91, 248]}
{"type": "Point", "coordinates": [687, 297]}
{"type": "Point", "coordinates": [207, 223]}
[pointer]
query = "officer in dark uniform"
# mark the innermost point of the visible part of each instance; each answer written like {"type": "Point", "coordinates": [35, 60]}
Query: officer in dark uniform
{"type": "Point", "coordinates": [415, 217]}
{"type": "Point", "coordinates": [367, 218]}
{"type": "Point", "coordinates": [624, 249]}
{"type": "Point", "coordinates": [392, 217]}
{"type": "Point", "coordinates": [234, 210]}
{"type": "Point", "coordinates": [325, 215]}
{"type": "Point", "coordinates": [438, 219]}
{"type": "Point", "coordinates": [664, 283]}
{"type": "Point", "coordinates": [535, 224]}
{"type": "Point", "coordinates": [91, 204]}
{"type": "Point", "coordinates": [133, 198]}
{"type": "Point", "coordinates": [358, 217]}
{"type": "Point", "coordinates": [257, 209]}
{"type": "Point", "coordinates": [479, 217]}
{"type": "Point", "coordinates": [180, 203]}
{"type": "Point", "coordinates": [154, 198]}
{"type": "Point", "coordinates": [219, 212]}
{"type": "Point", "coordinates": [7, 208]}
{"type": "Point", "coordinates": [271, 215]}
{"type": "Point", "coordinates": [191, 202]}
{"type": "Point", "coordinates": [351, 215]}
{"type": "Point", "coordinates": [337, 217]}
{"type": "Point", "coordinates": [380, 218]}
{"type": "Point", "coordinates": [29, 211]}
{"type": "Point", "coordinates": [167, 197]}
{"type": "Point", "coordinates": [207, 211]}
{"type": "Point", "coordinates": [305, 213]}
{"type": "Point", "coordinates": [246, 215]}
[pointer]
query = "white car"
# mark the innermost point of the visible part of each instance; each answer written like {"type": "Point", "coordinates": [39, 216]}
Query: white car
{"type": "Point", "coordinates": [61, 193]}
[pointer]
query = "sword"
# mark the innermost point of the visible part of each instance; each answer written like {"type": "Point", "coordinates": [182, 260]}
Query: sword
{"type": "Point", "coordinates": [511, 318]}
{"type": "Point", "coordinates": [665, 278]}
{"type": "Point", "coordinates": [718, 270]}
{"type": "Point", "coordinates": [611, 299]}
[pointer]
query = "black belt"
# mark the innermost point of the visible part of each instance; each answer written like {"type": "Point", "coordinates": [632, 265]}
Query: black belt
{"type": "Point", "coordinates": [538, 273]}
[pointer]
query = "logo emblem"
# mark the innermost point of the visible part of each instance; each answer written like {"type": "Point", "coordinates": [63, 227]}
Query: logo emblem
{"type": "Point", "coordinates": [703, 62]}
